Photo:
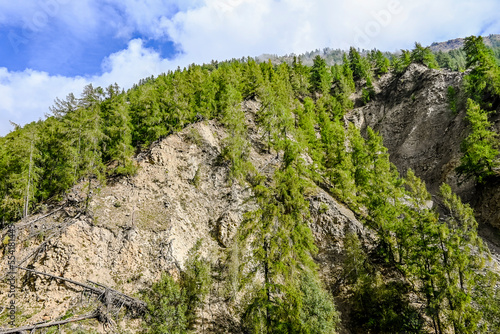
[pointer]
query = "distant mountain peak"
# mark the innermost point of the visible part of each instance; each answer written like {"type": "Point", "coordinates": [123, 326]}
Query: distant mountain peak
{"type": "Point", "coordinates": [457, 43]}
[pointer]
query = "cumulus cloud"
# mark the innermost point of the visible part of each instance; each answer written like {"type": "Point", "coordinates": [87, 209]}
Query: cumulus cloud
{"type": "Point", "coordinates": [235, 28]}
{"type": "Point", "coordinates": [221, 29]}
{"type": "Point", "coordinates": [27, 95]}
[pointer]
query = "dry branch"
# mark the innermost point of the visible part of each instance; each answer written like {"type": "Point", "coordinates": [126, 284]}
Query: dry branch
{"type": "Point", "coordinates": [93, 315]}
{"type": "Point", "coordinates": [43, 244]}
{"type": "Point", "coordinates": [123, 299]}
{"type": "Point", "coordinates": [107, 294]}
{"type": "Point", "coordinates": [83, 285]}
{"type": "Point", "coordinates": [40, 218]}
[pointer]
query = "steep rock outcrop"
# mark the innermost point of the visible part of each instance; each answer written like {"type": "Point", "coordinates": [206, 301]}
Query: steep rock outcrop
{"type": "Point", "coordinates": [412, 112]}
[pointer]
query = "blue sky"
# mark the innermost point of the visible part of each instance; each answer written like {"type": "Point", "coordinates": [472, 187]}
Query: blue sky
{"type": "Point", "coordinates": [49, 48]}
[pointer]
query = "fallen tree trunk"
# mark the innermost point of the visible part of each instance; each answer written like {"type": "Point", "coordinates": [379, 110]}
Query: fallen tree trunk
{"type": "Point", "coordinates": [83, 285]}
{"type": "Point", "coordinates": [136, 303]}
{"type": "Point", "coordinates": [93, 315]}
{"type": "Point", "coordinates": [107, 294]}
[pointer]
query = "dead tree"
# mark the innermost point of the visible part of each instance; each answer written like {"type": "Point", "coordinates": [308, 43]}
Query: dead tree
{"type": "Point", "coordinates": [57, 233]}
{"type": "Point", "coordinates": [98, 314]}
{"type": "Point", "coordinates": [108, 295]}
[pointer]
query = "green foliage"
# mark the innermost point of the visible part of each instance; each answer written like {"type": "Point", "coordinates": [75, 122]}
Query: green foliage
{"type": "Point", "coordinates": [430, 259]}
{"type": "Point", "coordinates": [236, 147]}
{"type": "Point", "coordinates": [171, 305]}
{"type": "Point", "coordinates": [253, 79]}
{"type": "Point", "coordinates": [480, 147]}
{"type": "Point", "coordinates": [196, 281]}
{"type": "Point", "coordinates": [360, 66]}
{"type": "Point", "coordinates": [275, 114]}
{"type": "Point", "coordinates": [377, 306]}
{"type": "Point", "coordinates": [299, 78]}
{"type": "Point", "coordinates": [117, 131]}
{"type": "Point", "coordinates": [424, 56]}
{"type": "Point", "coordinates": [317, 310]}
{"type": "Point", "coordinates": [379, 62]}
{"type": "Point", "coordinates": [338, 163]}
{"type": "Point", "coordinates": [166, 307]}
{"type": "Point", "coordinates": [401, 63]}
{"type": "Point", "coordinates": [461, 267]}
{"type": "Point", "coordinates": [282, 245]}
{"type": "Point", "coordinates": [486, 297]}
{"type": "Point", "coordinates": [483, 81]}
{"type": "Point", "coordinates": [384, 307]}
{"type": "Point", "coordinates": [368, 93]}
{"type": "Point", "coordinates": [320, 77]}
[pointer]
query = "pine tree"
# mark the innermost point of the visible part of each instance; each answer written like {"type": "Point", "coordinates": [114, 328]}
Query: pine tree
{"type": "Point", "coordinates": [56, 161]}
{"type": "Point", "coordinates": [359, 65]}
{"type": "Point", "coordinates": [21, 169]}
{"type": "Point", "coordinates": [483, 82]}
{"type": "Point", "coordinates": [338, 164]}
{"type": "Point", "coordinates": [167, 309]}
{"type": "Point", "coordinates": [480, 147]}
{"type": "Point", "coordinates": [320, 76]}
{"type": "Point", "coordinates": [236, 147]}
{"type": "Point", "coordinates": [196, 281]}
{"type": "Point", "coordinates": [117, 131]}
{"type": "Point", "coordinates": [422, 252]}
{"type": "Point", "coordinates": [380, 63]}
{"type": "Point", "coordinates": [462, 258]}
{"type": "Point", "coordinates": [401, 63]}
{"type": "Point", "coordinates": [424, 56]}
{"type": "Point", "coordinates": [299, 78]}
{"type": "Point", "coordinates": [281, 246]}
{"type": "Point", "coordinates": [275, 114]}
{"type": "Point", "coordinates": [252, 79]}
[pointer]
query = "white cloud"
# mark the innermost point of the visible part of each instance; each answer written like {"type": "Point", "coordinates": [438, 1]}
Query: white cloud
{"type": "Point", "coordinates": [27, 95]}
{"type": "Point", "coordinates": [235, 28]}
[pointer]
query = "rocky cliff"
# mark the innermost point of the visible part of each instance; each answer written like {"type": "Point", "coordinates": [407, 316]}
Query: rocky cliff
{"type": "Point", "coordinates": [412, 113]}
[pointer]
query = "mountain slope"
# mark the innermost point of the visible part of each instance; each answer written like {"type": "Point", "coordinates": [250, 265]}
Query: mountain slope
{"type": "Point", "coordinates": [139, 227]}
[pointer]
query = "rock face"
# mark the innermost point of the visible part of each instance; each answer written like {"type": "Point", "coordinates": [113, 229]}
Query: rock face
{"type": "Point", "coordinates": [139, 227]}
{"type": "Point", "coordinates": [412, 112]}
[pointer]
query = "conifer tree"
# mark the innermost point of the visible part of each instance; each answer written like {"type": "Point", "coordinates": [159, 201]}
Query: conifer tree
{"type": "Point", "coordinates": [252, 79]}
{"type": "Point", "coordinates": [480, 147]}
{"type": "Point", "coordinates": [422, 250]}
{"type": "Point", "coordinates": [236, 147]}
{"type": "Point", "coordinates": [56, 161]}
{"type": "Point", "coordinates": [117, 131]}
{"type": "Point", "coordinates": [320, 76]}
{"type": "Point", "coordinates": [424, 56]}
{"type": "Point", "coordinates": [462, 258]}
{"type": "Point", "coordinates": [275, 113]}
{"type": "Point", "coordinates": [338, 164]}
{"type": "Point", "coordinates": [281, 245]}
{"type": "Point", "coordinates": [359, 65]}
{"type": "Point", "coordinates": [21, 169]}
{"type": "Point", "coordinates": [380, 63]}
{"type": "Point", "coordinates": [484, 77]}
{"type": "Point", "coordinates": [401, 63]}
{"type": "Point", "coordinates": [299, 78]}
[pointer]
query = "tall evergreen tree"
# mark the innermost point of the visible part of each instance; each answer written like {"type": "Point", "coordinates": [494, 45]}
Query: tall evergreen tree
{"type": "Point", "coordinates": [320, 76]}
{"type": "Point", "coordinates": [281, 246]}
{"type": "Point", "coordinates": [483, 81]}
{"type": "Point", "coordinates": [480, 147]}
